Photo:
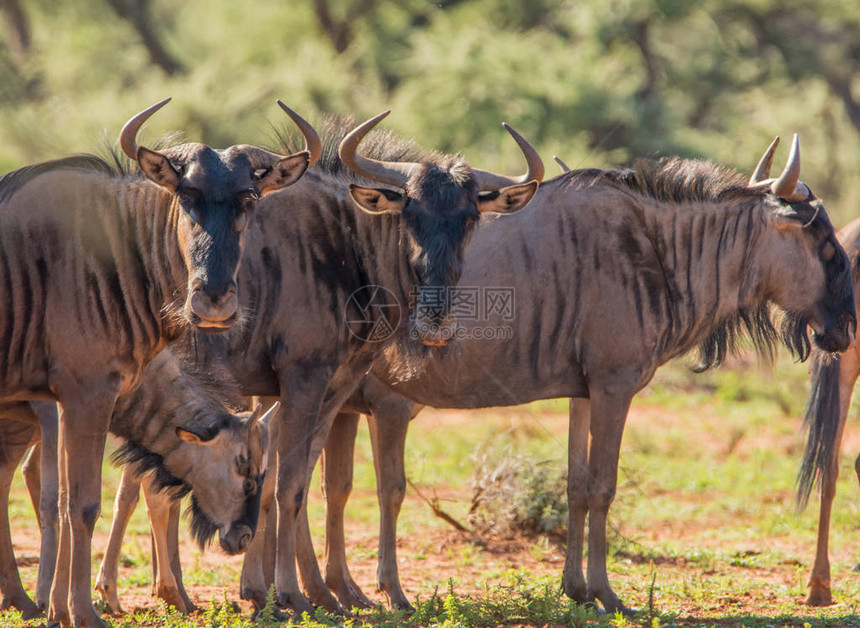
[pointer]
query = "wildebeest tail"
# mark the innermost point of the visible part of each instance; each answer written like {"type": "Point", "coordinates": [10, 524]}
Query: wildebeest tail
{"type": "Point", "coordinates": [821, 418]}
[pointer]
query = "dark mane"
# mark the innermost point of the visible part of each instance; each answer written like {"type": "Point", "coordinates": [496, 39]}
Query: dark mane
{"type": "Point", "coordinates": [673, 180]}
{"type": "Point", "coordinates": [382, 145]}
{"type": "Point", "coordinates": [13, 181]}
{"type": "Point", "coordinates": [206, 369]}
{"type": "Point", "coordinates": [144, 461]}
{"type": "Point", "coordinates": [113, 164]}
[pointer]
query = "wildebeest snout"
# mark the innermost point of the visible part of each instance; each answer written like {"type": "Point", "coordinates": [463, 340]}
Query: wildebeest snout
{"type": "Point", "coordinates": [214, 306]}
{"type": "Point", "coordinates": [237, 538]}
{"type": "Point", "coordinates": [433, 331]}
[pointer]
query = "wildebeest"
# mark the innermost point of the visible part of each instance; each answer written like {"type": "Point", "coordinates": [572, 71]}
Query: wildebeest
{"type": "Point", "coordinates": [832, 379]}
{"type": "Point", "coordinates": [614, 273]}
{"type": "Point", "coordinates": [98, 271]}
{"type": "Point", "coordinates": [182, 435]}
{"type": "Point", "coordinates": [163, 514]}
{"type": "Point", "coordinates": [328, 266]}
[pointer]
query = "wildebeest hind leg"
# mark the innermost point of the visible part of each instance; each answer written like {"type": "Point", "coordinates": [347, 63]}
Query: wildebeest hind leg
{"type": "Point", "coordinates": [573, 580]}
{"type": "Point", "coordinates": [336, 471]}
{"type": "Point", "coordinates": [127, 496]}
{"type": "Point", "coordinates": [608, 415]}
{"type": "Point", "coordinates": [388, 426]}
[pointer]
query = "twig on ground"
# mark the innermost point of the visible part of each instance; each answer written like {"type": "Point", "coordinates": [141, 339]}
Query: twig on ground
{"type": "Point", "coordinates": [437, 510]}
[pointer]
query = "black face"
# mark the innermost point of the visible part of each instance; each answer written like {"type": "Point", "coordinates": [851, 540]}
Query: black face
{"type": "Point", "coordinates": [440, 215]}
{"type": "Point", "coordinates": [216, 195]}
{"type": "Point", "coordinates": [833, 316]}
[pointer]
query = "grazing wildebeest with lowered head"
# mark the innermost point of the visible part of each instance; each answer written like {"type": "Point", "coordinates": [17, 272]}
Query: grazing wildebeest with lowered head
{"type": "Point", "coordinates": [342, 257]}
{"type": "Point", "coordinates": [832, 379]}
{"type": "Point", "coordinates": [98, 271]}
{"type": "Point", "coordinates": [182, 436]}
{"type": "Point", "coordinates": [614, 273]}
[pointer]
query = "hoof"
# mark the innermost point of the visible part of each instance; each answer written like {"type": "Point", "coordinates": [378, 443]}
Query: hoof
{"type": "Point", "coordinates": [257, 598]}
{"type": "Point", "coordinates": [29, 609]}
{"type": "Point", "coordinates": [351, 596]}
{"type": "Point", "coordinates": [277, 615]}
{"type": "Point", "coordinates": [819, 598]}
{"type": "Point", "coordinates": [296, 603]}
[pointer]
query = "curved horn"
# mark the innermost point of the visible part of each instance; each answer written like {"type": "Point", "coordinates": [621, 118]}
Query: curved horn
{"type": "Point", "coordinates": [127, 136]}
{"type": "Point", "coordinates": [390, 172]}
{"type": "Point", "coordinates": [788, 186]}
{"type": "Point", "coordinates": [264, 420]}
{"type": "Point", "coordinates": [258, 410]}
{"type": "Point", "coordinates": [561, 164]}
{"type": "Point", "coordinates": [762, 170]}
{"type": "Point", "coordinates": [488, 181]}
{"type": "Point", "coordinates": [313, 143]}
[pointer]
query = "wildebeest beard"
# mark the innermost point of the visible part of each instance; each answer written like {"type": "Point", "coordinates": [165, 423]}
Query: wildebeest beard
{"type": "Point", "coordinates": [143, 461]}
{"type": "Point", "coordinates": [202, 527]}
{"type": "Point", "coordinates": [757, 324]}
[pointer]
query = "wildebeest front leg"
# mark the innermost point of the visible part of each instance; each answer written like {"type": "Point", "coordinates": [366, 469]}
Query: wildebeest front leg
{"type": "Point", "coordinates": [173, 554]}
{"type": "Point", "coordinates": [819, 580]}
{"type": "Point", "coordinates": [253, 582]}
{"type": "Point", "coordinates": [159, 509]}
{"type": "Point", "coordinates": [14, 440]}
{"type": "Point", "coordinates": [388, 426]}
{"type": "Point", "coordinates": [608, 416]}
{"type": "Point", "coordinates": [49, 506]}
{"type": "Point", "coordinates": [302, 396]}
{"type": "Point", "coordinates": [127, 497]}
{"type": "Point", "coordinates": [312, 579]}
{"type": "Point", "coordinates": [336, 472]}
{"type": "Point", "coordinates": [86, 411]}
{"type": "Point", "coordinates": [573, 580]}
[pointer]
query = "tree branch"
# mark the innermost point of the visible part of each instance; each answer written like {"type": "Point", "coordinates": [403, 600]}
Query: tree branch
{"type": "Point", "coordinates": [136, 13]}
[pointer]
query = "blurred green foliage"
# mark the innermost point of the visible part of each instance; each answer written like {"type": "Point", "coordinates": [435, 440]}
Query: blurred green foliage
{"type": "Point", "coordinates": [598, 82]}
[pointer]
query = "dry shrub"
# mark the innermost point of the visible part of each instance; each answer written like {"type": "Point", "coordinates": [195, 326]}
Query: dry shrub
{"type": "Point", "coordinates": [514, 493]}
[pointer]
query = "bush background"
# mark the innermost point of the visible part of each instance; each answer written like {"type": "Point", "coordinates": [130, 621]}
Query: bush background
{"type": "Point", "coordinates": [597, 82]}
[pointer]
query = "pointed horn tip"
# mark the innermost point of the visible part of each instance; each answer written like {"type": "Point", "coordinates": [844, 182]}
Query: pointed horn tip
{"type": "Point", "coordinates": [273, 409]}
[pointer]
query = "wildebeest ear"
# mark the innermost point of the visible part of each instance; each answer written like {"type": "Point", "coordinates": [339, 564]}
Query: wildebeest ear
{"type": "Point", "coordinates": [508, 199]}
{"type": "Point", "coordinates": [197, 436]}
{"type": "Point", "coordinates": [789, 218]}
{"type": "Point", "coordinates": [284, 172]}
{"type": "Point", "coordinates": [377, 201]}
{"type": "Point", "coordinates": [158, 169]}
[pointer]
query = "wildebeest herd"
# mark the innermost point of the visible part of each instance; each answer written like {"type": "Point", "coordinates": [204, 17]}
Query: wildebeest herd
{"type": "Point", "coordinates": [153, 301]}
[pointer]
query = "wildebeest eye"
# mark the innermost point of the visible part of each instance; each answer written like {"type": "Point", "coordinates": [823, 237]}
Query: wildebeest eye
{"type": "Point", "coordinates": [249, 486]}
{"type": "Point", "coordinates": [828, 251]}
